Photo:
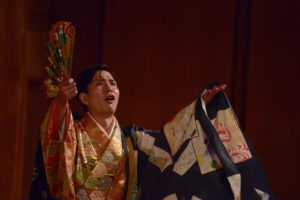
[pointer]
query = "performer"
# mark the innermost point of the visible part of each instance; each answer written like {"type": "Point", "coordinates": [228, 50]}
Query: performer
{"type": "Point", "coordinates": [200, 154]}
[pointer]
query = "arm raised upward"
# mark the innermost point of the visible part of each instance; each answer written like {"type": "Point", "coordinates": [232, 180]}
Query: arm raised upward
{"type": "Point", "coordinates": [67, 91]}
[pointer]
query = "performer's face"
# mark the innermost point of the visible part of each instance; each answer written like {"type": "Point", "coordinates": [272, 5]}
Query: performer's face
{"type": "Point", "coordinates": [102, 95]}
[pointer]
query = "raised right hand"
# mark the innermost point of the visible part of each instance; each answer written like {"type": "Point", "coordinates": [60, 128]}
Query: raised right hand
{"type": "Point", "coordinates": [211, 93]}
{"type": "Point", "coordinates": [67, 91]}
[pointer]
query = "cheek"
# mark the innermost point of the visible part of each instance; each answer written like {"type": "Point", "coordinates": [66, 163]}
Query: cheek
{"type": "Point", "coordinates": [117, 92]}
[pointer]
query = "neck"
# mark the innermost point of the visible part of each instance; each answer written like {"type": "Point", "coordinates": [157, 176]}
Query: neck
{"type": "Point", "coordinates": [106, 122]}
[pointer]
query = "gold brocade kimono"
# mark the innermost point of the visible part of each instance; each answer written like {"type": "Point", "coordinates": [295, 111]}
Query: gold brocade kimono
{"type": "Point", "coordinates": [82, 161]}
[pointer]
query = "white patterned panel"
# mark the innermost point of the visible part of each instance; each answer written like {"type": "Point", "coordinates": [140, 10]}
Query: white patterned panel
{"type": "Point", "coordinates": [145, 142]}
{"type": "Point", "coordinates": [160, 158]}
{"type": "Point", "coordinates": [195, 198]}
{"type": "Point", "coordinates": [262, 195]}
{"type": "Point", "coordinates": [180, 128]}
{"type": "Point", "coordinates": [186, 160]}
{"type": "Point", "coordinates": [171, 197]}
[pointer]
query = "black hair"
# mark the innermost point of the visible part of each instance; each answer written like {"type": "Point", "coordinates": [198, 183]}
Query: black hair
{"type": "Point", "coordinates": [85, 77]}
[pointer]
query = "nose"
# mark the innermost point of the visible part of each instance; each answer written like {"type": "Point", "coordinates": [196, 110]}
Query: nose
{"type": "Point", "coordinates": [108, 87]}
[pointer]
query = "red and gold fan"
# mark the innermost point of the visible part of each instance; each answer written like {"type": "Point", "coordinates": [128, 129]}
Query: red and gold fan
{"type": "Point", "coordinates": [60, 55]}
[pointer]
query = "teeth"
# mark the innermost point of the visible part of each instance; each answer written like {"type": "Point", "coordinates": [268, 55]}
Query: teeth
{"type": "Point", "coordinates": [110, 98]}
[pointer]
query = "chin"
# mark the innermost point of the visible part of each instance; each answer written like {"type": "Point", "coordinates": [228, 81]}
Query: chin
{"type": "Point", "coordinates": [111, 111]}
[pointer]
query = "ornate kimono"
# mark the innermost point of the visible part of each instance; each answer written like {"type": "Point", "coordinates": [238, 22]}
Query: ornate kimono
{"type": "Point", "coordinates": [201, 154]}
{"type": "Point", "coordinates": [82, 161]}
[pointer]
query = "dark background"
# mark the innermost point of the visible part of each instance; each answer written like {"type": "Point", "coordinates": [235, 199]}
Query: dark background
{"type": "Point", "coordinates": [163, 53]}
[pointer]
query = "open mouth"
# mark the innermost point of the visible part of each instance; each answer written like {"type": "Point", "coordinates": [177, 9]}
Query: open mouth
{"type": "Point", "coordinates": [110, 98]}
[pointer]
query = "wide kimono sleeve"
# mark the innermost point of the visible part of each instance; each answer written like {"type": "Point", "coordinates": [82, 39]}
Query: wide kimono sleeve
{"type": "Point", "coordinates": [58, 147]}
{"type": "Point", "coordinates": [201, 154]}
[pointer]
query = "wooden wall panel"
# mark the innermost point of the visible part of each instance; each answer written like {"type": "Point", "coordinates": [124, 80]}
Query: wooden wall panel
{"type": "Point", "coordinates": [23, 33]}
{"type": "Point", "coordinates": [240, 57]}
{"type": "Point", "coordinates": [35, 103]}
{"type": "Point", "coordinates": [12, 97]}
{"type": "Point", "coordinates": [272, 117]}
{"type": "Point", "coordinates": [88, 20]}
{"type": "Point", "coordinates": [164, 52]}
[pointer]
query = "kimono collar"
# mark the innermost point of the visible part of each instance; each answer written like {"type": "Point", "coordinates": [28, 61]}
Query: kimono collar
{"type": "Point", "coordinates": [109, 134]}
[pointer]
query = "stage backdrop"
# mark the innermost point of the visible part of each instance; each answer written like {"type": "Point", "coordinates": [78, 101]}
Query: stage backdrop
{"type": "Point", "coordinates": [163, 54]}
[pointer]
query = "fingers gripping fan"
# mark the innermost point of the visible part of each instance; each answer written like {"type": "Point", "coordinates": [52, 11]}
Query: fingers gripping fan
{"type": "Point", "coordinates": [60, 55]}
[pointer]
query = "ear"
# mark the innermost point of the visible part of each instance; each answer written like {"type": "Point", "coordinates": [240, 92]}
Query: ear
{"type": "Point", "coordinates": [83, 98]}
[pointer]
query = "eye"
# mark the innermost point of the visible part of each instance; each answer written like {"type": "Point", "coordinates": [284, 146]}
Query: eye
{"type": "Point", "coordinates": [99, 83]}
{"type": "Point", "coordinates": [114, 83]}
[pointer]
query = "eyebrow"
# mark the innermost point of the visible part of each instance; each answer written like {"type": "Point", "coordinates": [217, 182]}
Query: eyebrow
{"type": "Point", "coordinates": [103, 79]}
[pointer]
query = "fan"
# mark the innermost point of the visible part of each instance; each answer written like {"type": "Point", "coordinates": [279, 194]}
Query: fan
{"type": "Point", "coordinates": [60, 55]}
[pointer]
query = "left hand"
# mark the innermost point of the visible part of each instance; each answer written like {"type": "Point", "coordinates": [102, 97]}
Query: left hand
{"type": "Point", "coordinates": [211, 93]}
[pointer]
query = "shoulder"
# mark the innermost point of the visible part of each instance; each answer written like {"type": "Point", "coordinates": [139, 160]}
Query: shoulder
{"type": "Point", "coordinates": [127, 130]}
{"type": "Point", "coordinates": [131, 130]}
